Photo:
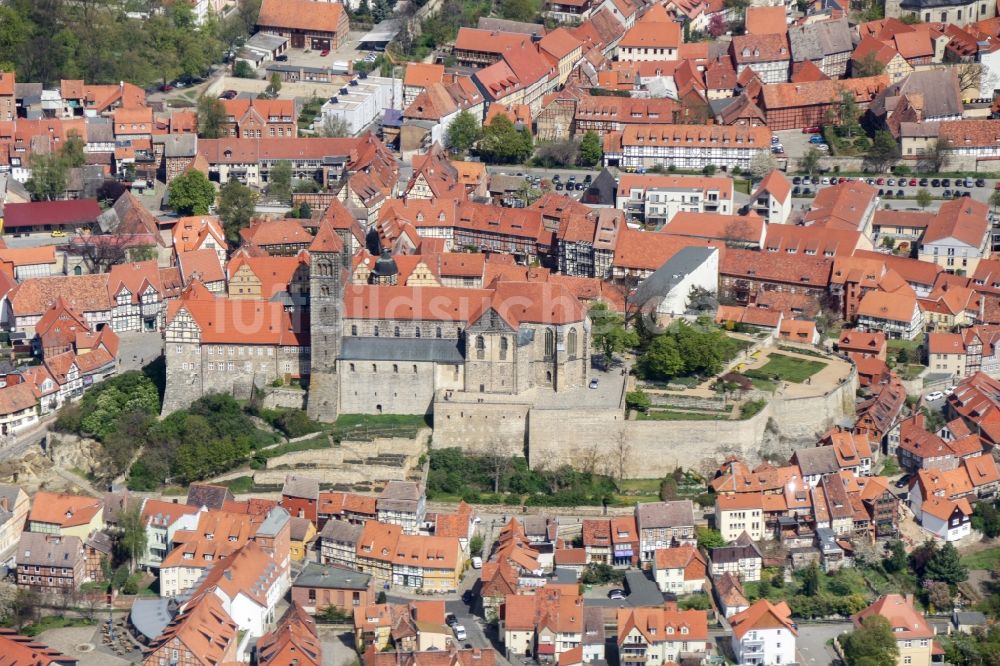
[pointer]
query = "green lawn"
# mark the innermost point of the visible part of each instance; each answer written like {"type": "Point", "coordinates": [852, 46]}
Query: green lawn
{"type": "Point", "coordinates": [909, 345]}
{"type": "Point", "coordinates": [241, 484]}
{"type": "Point", "coordinates": [55, 622]}
{"type": "Point", "coordinates": [988, 559]}
{"type": "Point", "coordinates": [369, 426]}
{"type": "Point", "coordinates": [321, 441]}
{"type": "Point", "coordinates": [644, 486]}
{"type": "Point", "coordinates": [671, 415]}
{"type": "Point", "coordinates": [764, 384]}
{"type": "Point", "coordinates": [912, 371]}
{"type": "Point", "coordinates": [788, 368]}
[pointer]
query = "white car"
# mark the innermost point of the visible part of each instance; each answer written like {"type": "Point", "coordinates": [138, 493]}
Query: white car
{"type": "Point", "coordinates": [459, 632]}
{"type": "Point", "coordinates": [950, 390]}
{"type": "Point", "coordinates": [477, 563]}
{"type": "Point", "coordinates": [933, 396]}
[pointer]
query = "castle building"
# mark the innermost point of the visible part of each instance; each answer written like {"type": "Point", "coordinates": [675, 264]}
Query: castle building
{"type": "Point", "coordinates": [379, 347]}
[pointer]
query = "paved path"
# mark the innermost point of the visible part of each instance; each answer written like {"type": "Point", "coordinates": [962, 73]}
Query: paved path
{"type": "Point", "coordinates": [811, 644]}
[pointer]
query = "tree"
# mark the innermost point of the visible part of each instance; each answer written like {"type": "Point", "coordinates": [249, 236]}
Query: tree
{"type": "Point", "coordinates": [503, 143]}
{"type": "Point", "coordinates": [716, 25]}
{"type": "Point", "coordinates": [273, 86]}
{"type": "Point", "coordinates": [810, 580]}
{"type": "Point", "coordinates": [848, 113]}
{"type": "Point", "coordinates": [924, 198]}
{"type": "Point", "coordinates": [476, 545]}
{"type": "Point", "coordinates": [897, 560]}
{"type": "Point", "coordinates": [871, 644]}
{"type": "Point", "coordinates": [662, 360]}
{"type": "Point", "coordinates": [335, 127]}
{"type": "Point", "coordinates": [72, 150]}
{"type": "Point", "coordinates": [737, 6]}
{"type": "Point", "coordinates": [883, 151]}
{"type": "Point", "coordinates": [211, 117]}
{"type": "Point", "coordinates": [762, 164]}
{"type": "Point", "coordinates": [244, 70]}
{"type": "Point", "coordinates": [48, 176]}
{"type": "Point", "coordinates": [936, 156]}
{"type": "Point", "coordinates": [708, 170]}
{"type": "Point", "coordinates": [191, 193]}
{"type": "Point", "coordinates": [279, 181]}
{"type": "Point", "coordinates": [946, 566]}
{"type": "Point", "coordinates": [497, 462]}
{"type": "Point", "coordinates": [22, 609]}
{"type": "Point", "coordinates": [939, 596]}
{"type": "Point", "coordinates": [591, 151]}
{"type": "Point", "coordinates": [552, 154]}
{"type": "Point", "coordinates": [969, 75]}
{"type": "Point", "coordinates": [868, 65]}
{"type": "Point", "coordinates": [638, 400]}
{"type": "Point", "coordinates": [463, 132]}
{"type": "Point", "coordinates": [995, 200]}
{"type": "Point", "coordinates": [810, 161]}
{"type": "Point", "coordinates": [236, 208]}
{"type": "Point", "coordinates": [709, 538]}
{"type": "Point", "coordinates": [133, 534]}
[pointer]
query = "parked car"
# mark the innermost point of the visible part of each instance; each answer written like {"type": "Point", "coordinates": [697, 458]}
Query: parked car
{"type": "Point", "coordinates": [616, 594]}
{"type": "Point", "coordinates": [807, 181]}
{"type": "Point", "coordinates": [913, 182]}
{"type": "Point", "coordinates": [807, 191]}
{"type": "Point", "coordinates": [797, 180]}
{"type": "Point", "coordinates": [980, 182]}
{"type": "Point", "coordinates": [890, 182]}
{"type": "Point", "coordinates": [822, 147]}
{"type": "Point", "coordinates": [881, 192]}
{"type": "Point", "coordinates": [459, 632]}
{"type": "Point", "coordinates": [797, 190]}
{"type": "Point", "coordinates": [281, 58]}
{"type": "Point", "coordinates": [166, 87]}
{"type": "Point", "coordinates": [810, 130]}
{"type": "Point", "coordinates": [824, 181]}
{"type": "Point", "coordinates": [923, 182]}
{"type": "Point", "coordinates": [935, 183]}
{"type": "Point", "coordinates": [946, 194]}
{"type": "Point", "coordinates": [477, 563]}
{"type": "Point", "coordinates": [450, 619]}
{"type": "Point", "coordinates": [559, 187]}
{"type": "Point", "coordinates": [588, 178]}
{"type": "Point", "coordinates": [324, 53]}
{"type": "Point", "coordinates": [933, 396]}
{"type": "Point", "coordinates": [229, 94]}
{"type": "Point", "coordinates": [900, 193]}
{"type": "Point", "coordinates": [946, 182]}
{"type": "Point", "coordinates": [816, 139]}
{"type": "Point", "coordinates": [950, 390]}
{"type": "Point", "coordinates": [593, 383]}
{"type": "Point", "coordinates": [903, 481]}
{"type": "Point", "coordinates": [58, 233]}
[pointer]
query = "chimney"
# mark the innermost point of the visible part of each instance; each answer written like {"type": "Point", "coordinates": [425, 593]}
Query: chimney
{"type": "Point", "coordinates": [909, 599]}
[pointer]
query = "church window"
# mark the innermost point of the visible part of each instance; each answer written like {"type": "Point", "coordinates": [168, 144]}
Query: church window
{"type": "Point", "coordinates": [503, 348]}
{"type": "Point", "coordinates": [376, 331]}
{"type": "Point", "coordinates": [550, 343]}
{"type": "Point", "coordinates": [571, 343]}
{"type": "Point", "coordinates": [354, 329]}
{"type": "Point", "coordinates": [480, 347]}
{"type": "Point", "coordinates": [416, 332]}
{"type": "Point", "coordinates": [395, 332]}
{"type": "Point", "coordinates": [437, 332]}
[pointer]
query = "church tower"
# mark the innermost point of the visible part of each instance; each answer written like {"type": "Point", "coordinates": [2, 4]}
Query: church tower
{"type": "Point", "coordinates": [328, 268]}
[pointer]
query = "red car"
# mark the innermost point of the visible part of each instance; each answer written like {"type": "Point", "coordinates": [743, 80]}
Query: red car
{"type": "Point", "coordinates": [166, 87]}
{"type": "Point", "coordinates": [880, 181]}
{"type": "Point", "coordinates": [810, 130]}
{"type": "Point", "coordinates": [324, 53]}
{"type": "Point", "coordinates": [913, 182]}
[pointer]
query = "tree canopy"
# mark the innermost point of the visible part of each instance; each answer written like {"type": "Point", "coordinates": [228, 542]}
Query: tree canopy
{"type": "Point", "coordinates": [505, 144]}
{"type": "Point", "coordinates": [685, 349]}
{"type": "Point", "coordinates": [591, 151]}
{"type": "Point", "coordinates": [463, 132]}
{"type": "Point", "coordinates": [107, 41]}
{"type": "Point", "coordinates": [211, 117]}
{"type": "Point", "coordinates": [871, 644]}
{"type": "Point", "coordinates": [236, 208]}
{"type": "Point", "coordinates": [191, 193]}
{"type": "Point", "coordinates": [608, 330]}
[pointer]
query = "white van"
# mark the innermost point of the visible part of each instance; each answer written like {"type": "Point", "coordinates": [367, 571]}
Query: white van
{"type": "Point", "coordinates": [459, 632]}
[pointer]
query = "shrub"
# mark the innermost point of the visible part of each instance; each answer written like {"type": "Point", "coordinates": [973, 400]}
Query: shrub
{"type": "Point", "coordinates": [638, 400]}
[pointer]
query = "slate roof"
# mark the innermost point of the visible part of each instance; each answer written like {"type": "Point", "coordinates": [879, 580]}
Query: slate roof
{"type": "Point", "coordinates": [669, 275]}
{"type": "Point", "coordinates": [401, 349]}
{"type": "Point", "coordinates": [814, 41]}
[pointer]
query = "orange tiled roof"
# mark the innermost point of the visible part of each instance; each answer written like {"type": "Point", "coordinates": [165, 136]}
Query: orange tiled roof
{"type": "Point", "coordinates": [63, 510]}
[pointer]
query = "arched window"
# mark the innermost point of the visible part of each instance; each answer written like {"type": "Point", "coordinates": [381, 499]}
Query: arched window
{"type": "Point", "coordinates": [375, 330]}
{"type": "Point", "coordinates": [395, 368]}
{"type": "Point", "coordinates": [550, 343]}
{"type": "Point", "coordinates": [571, 343]}
{"type": "Point", "coordinates": [395, 332]}
{"type": "Point", "coordinates": [324, 290]}
{"type": "Point", "coordinates": [480, 347]}
{"type": "Point", "coordinates": [416, 332]}
{"type": "Point", "coordinates": [503, 348]}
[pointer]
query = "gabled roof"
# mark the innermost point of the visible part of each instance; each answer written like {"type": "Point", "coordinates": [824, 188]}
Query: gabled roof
{"type": "Point", "coordinates": [762, 614]}
{"type": "Point", "coordinates": [301, 15]}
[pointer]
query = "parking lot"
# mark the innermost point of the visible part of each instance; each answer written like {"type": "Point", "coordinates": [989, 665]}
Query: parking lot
{"type": "Point", "coordinates": [905, 187]}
